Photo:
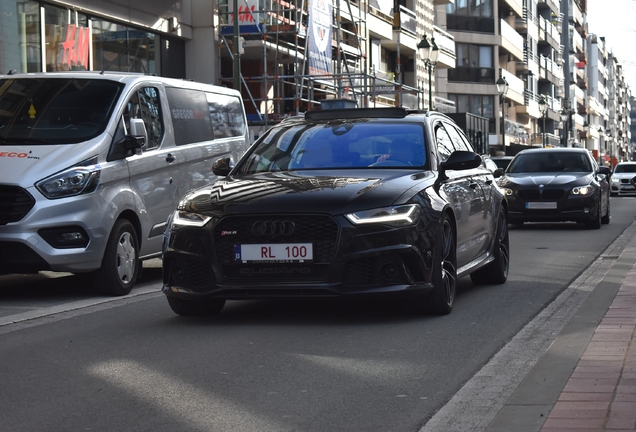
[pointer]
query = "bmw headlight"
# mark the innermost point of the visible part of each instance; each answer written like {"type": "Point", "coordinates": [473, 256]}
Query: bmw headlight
{"type": "Point", "coordinates": [395, 216]}
{"type": "Point", "coordinates": [507, 191]}
{"type": "Point", "coordinates": [78, 180]}
{"type": "Point", "coordinates": [182, 218]}
{"type": "Point", "coordinates": [582, 190]}
{"type": "Point", "coordinates": [616, 180]}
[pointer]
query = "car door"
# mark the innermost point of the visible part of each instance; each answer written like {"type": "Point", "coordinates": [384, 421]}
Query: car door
{"type": "Point", "coordinates": [153, 170]}
{"type": "Point", "coordinates": [466, 196]}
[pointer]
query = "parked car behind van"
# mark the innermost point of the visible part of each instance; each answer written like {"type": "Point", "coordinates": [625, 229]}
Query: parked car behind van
{"type": "Point", "coordinates": [92, 164]}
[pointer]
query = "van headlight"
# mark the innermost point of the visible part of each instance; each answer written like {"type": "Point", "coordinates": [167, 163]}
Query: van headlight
{"type": "Point", "coordinates": [396, 216]}
{"type": "Point", "coordinates": [81, 179]}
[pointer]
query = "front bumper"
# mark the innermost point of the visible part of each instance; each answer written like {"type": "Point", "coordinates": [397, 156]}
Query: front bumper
{"type": "Point", "coordinates": [348, 260]}
{"type": "Point", "coordinates": [561, 206]}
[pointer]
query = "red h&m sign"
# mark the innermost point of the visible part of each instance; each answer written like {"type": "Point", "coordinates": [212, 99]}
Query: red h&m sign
{"type": "Point", "coordinates": [75, 47]}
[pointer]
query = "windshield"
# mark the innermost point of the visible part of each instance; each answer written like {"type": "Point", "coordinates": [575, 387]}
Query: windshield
{"type": "Point", "coordinates": [54, 110]}
{"type": "Point", "coordinates": [540, 162]}
{"type": "Point", "coordinates": [625, 168]}
{"type": "Point", "coordinates": [328, 146]}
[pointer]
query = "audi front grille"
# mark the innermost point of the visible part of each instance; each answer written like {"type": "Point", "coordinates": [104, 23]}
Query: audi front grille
{"type": "Point", "coordinates": [320, 230]}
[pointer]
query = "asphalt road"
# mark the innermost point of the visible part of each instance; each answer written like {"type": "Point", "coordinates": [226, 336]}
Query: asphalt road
{"type": "Point", "coordinates": [71, 360]}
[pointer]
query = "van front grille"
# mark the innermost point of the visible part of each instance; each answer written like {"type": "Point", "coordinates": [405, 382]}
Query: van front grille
{"type": "Point", "coordinates": [15, 203]}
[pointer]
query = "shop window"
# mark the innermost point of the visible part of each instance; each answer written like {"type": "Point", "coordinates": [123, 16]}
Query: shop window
{"type": "Point", "coordinates": [20, 24]}
{"type": "Point", "coordinates": [120, 48]}
{"type": "Point", "coordinates": [67, 39]}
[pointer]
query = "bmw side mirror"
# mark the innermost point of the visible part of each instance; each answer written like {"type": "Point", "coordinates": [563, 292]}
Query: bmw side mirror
{"type": "Point", "coordinates": [460, 160]}
{"type": "Point", "coordinates": [222, 167]}
{"type": "Point", "coordinates": [605, 170]}
{"type": "Point", "coordinates": [498, 172]}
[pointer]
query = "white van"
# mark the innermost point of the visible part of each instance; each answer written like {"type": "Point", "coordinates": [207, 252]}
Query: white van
{"type": "Point", "coordinates": [92, 164]}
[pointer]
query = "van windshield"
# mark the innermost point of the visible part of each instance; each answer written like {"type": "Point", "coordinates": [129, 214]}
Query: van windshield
{"type": "Point", "coordinates": [55, 110]}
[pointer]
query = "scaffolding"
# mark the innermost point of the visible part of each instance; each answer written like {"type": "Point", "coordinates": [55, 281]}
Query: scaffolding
{"type": "Point", "coordinates": [274, 72]}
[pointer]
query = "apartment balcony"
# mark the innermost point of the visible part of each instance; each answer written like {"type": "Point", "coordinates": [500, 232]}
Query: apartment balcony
{"type": "Point", "coordinates": [511, 41]}
{"type": "Point", "coordinates": [530, 106]}
{"type": "Point", "coordinates": [515, 86]}
{"type": "Point", "coordinates": [447, 58]}
{"type": "Point", "coordinates": [404, 32]}
{"type": "Point", "coordinates": [576, 16]}
{"type": "Point", "coordinates": [549, 33]}
{"type": "Point", "coordinates": [553, 5]}
{"type": "Point", "coordinates": [380, 26]}
{"type": "Point", "coordinates": [516, 6]}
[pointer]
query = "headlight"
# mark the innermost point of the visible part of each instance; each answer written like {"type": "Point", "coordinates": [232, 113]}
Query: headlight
{"type": "Point", "coordinates": [507, 191]}
{"type": "Point", "coordinates": [615, 180]}
{"type": "Point", "coordinates": [185, 218]}
{"type": "Point", "coordinates": [395, 216]}
{"type": "Point", "coordinates": [582, 190]}
{"type": "Point", "coordinates": [78, 180]}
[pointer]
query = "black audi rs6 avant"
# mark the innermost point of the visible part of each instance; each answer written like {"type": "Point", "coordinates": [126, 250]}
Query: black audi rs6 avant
{"type": "Point", "coordinates": [369, 201]}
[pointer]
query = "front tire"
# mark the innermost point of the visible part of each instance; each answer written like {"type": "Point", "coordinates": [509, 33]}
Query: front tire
{"type": "Point", "coordinates": [596, 223]}
{"type": "Point", "coordinates": [445, 269]}
{"type": "Point", "coordinates": [120, 265]}
{"type": "Point", "coordinates": [196, 307]}
{"type": "Point", "coordinates": [606, 219]}
{"type": "Point", "coordinates": [496, 272]}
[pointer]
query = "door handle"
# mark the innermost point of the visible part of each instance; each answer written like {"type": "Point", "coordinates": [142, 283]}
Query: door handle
{"type": "Point", "coordinates": [488, 182]}
{"type": "Point", "coordinates": [473, 185]}
{"type": "Point", "coordinates": [170, 158]}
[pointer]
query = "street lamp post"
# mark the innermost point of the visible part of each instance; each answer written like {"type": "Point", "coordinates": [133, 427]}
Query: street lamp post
{"type": "Point", "coordinates": [502, 88]}
{"type": "Point", "coordinates": [608, 134]}
{"type": "Point", "coordinates": [429, 52]}
{"type": "Point", "coordinates": [543, 107]}
{"type": "Point", "coordinates": [565, 117]}
{"type": "Point", "coordinates": [601, 132]}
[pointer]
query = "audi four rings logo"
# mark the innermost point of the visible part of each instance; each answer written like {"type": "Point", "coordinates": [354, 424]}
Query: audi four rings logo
{"type": "Point", "coordinates": [273, 228]}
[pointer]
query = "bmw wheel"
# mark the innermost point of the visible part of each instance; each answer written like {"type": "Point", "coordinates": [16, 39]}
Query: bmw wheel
{"type": "Point", "coordinates": [195, 307]}
{"type": "Point", "coordinates": [445, 269]}
{"type": "Point", "coordinates": [496, 272]}
{"type": "Point", "coordinates": [596, 222]}
{"type": "Point", "coordinates": [120, 264]}
{"type": "Point", "coordinates": [606, 219]}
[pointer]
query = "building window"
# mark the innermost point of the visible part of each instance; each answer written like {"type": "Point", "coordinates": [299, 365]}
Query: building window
{"type": "Point", "coordinates": [471, 15]}
{"type": "Point", "coordinates": [481, 105]}
{"type": "Point", "coordinates": [120, 48]}
{"type": "Point", "coordinates": [67, 39]}
{"type": "Point", "coordinates": [20, 32]}
{"type": "Point", "coordinates": [474, 64]}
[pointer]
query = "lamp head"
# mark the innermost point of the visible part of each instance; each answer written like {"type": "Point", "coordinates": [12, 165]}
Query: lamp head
{"type": "Point", "coordinates": [502, 85]}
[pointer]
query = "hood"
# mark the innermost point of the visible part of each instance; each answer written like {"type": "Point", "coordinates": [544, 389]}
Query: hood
{"type": "Point", "coordinates": [24, 165]}
{"type": "Point", "coordinates": [546, 179]}
{"type": "Point", "coordinates": [306, 192]}
{"type": "Point", "coordinates": [624, 175]}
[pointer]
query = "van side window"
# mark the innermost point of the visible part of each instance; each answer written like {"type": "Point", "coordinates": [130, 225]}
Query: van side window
{"type": "Point", "coordinates": [190, 116]}
{"type": "Point", "coordinates": [226, 113]}
{"type": "Point", "coordinates": [145, 105]}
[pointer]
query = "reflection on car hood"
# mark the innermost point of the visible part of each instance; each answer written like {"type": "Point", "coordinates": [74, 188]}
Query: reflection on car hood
{"type": "Point", "coordinates": [546, 179]}
{"type": "Point", "coordinates": [624, 175]}
{"type": "Point", "coordinates": [304, 192]}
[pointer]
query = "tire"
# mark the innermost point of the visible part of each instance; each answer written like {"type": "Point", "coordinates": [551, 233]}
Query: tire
{"type": "Point", "coordinates": [120, 265]}
{"type": "Point", "coordinates": [444, 269]}
{"type": "Point", "coordinates": [596, 223]}
{"type": "Point", "coordinates": [198, 307]}
{"type": "Point", "coordinates": [606, 219]}
{"type": "Point", "coordinates": [496, 272]}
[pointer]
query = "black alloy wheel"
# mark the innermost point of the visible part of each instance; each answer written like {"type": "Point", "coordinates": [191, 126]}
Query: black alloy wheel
{"type": "Point", "coordinates": [445, 269]}
{"type": "Point", "coordinates": [496, 272]}
{"type": "Point", "coordinates": [596, 222]}
{"type": "Point", "coordinates": [606, 219]}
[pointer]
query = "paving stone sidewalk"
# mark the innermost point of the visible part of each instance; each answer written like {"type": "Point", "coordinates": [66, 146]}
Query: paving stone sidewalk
{"type": "Point", "coordinates": [601, 392]}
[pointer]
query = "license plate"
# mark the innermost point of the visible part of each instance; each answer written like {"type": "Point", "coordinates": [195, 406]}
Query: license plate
{"type": "Point", "coordinates": [298, 252]}
{"type": "Point", "coordinates": [541, 205]}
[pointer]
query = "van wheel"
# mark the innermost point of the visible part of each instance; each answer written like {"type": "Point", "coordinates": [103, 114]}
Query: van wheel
{"type": "Point", "coordinates": [120, 264]}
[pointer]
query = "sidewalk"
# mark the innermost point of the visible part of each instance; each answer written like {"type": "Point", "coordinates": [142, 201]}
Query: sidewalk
{"type": "Point", "coordinates": [601, 392]}
{"type": "Point", "coordinates": [586, 381]}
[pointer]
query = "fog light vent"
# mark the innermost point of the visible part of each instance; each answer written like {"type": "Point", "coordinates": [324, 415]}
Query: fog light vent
{"type": "Point", "coordinates": [65, 237]}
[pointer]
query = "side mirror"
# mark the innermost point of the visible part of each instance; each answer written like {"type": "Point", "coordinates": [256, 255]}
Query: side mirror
{"type": "Point", "coordinates": [138, 130]}
{"type": "Point", "coordinates": [222, 167]}
{"type": "Point", "coordinates": [460, 160]}
{"type": "Point", "coordinates": [498, 172]}
{"type": "Point", "coordinates": [605, 170]}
